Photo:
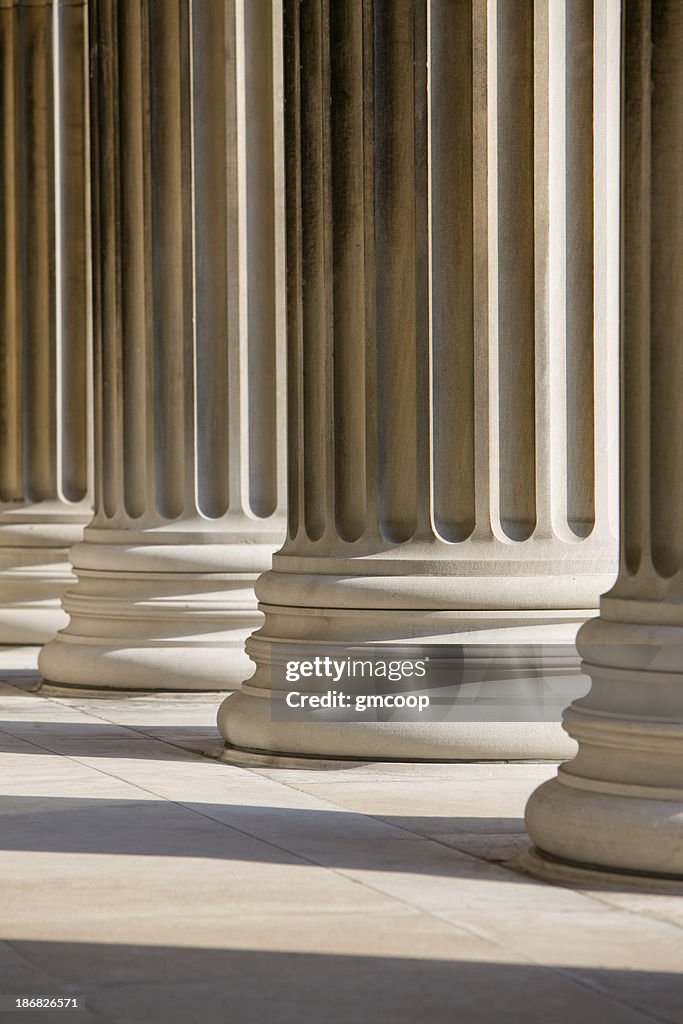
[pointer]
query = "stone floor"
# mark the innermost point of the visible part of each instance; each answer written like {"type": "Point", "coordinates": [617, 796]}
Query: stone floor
{"type": "Point", "coordinates": [165, 886]}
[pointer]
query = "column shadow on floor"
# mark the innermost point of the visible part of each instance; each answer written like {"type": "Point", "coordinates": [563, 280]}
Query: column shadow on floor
{"type": "Point", "coordinates": [176, 985]}
{"type": "Point", "coordinates": [21, 679]}
{"type": "Point", "coordinates": [283, 835]}
{"type": "Point", "coordinates": [105, 739]}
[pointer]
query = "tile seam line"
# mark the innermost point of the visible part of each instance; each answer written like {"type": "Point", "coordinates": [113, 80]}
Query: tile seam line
{"type": "Point", "coordinates": [13, 944]}
{"type": "Point", "coordinates": [307, 860]}
{"type": "Point", "coordinates": [517, 876]}
{"type": "Point", "coordinates": [629, 910]}
{"type": "Point", "coordinates": [555, 969]}
{"type": "Point", "coordinates": [71, 757]}
{"type": "Point", "coordinates": [267, 842]}
{"type": "Point", "coordinates": [201, 757]}
{"type": "Point", "coordinates": [435, 915]}
{"type": "Point", "coordinates": [385, 820]}
{"type": "Point", "coordinates": [594, 897]}
{"type": "Point", "coordinates": [194, 754]}
{"type": "Point", "coordinates": [583, 983]}
{"type": "Point", "coordinates": [338, 872]}
{"type": "Point", "coordinates": [595, 987]}
{"type": "Point", "coordinates": [256, 773]}
{"type": "Point", "coordinates": [193, 809]}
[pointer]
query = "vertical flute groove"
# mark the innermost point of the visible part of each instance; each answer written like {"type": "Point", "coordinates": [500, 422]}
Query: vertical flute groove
{"type": "Point", "coordinates": [236, 259]}
{"type": "Point", "coordinates": [10, 361]}
{"type": "Point", "coordinates": [294, 271]}
{"type": "Point", "coordinates": [606, 203]}
{"type": "Point", "coordinates": [370, 272]}
{"type": "Point", "coordinates": [169, 154]}
{"type": "Point", "coordinates": [348, 227]}
{"type": "Point", "coordinates": [546, 411]}
{"type": "Point", "coordinates": [516, 300]}
{"type": "Point", "coordinates": [37, 250]}
{"type": "Point", "coordinates": [316, 324]}
{"type": "Point", "coordinates": [110, 150]}
{"type": "Point", "coordinates": [443, 320]}
{"type": "Point", "coordinates": [580, 269]}
{"type": "Point", "coordinates": [635, 293]}
{"type": "Point", "coordinates": [210, 172]}
{"type": "Point", "coordinates": [72, 251]}
{"type": "Point", "coordinates": [261, 213]}
{"type": "Point", "coordinates": [45, 300]}
{"type": "Point", "coordinates": [666, 276]}
{"type": "Point", "coordinates": [424, 398]}
{"type": "Point", "coordinates": [484, 259]}
{"type": "Point", "coordinates": [452, 256]}
{"type": "Point", "coordinates": [395, 212]}
{"type": "Point", "coordinates": [131, 221]}
{"type": "Point", "coordinates": [188, 306]}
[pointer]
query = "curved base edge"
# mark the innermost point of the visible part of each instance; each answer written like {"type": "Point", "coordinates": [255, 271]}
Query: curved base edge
{"type": "Point", "coordinates": [93, 668]}
{"type": "Point", "coordinates": [607, 831]}
{"type": "Point", "coordinates": [545, 868]}
{"type": "Point", "coordinates": [497, 586]}
{"type": "Point", "coordinates": [242, 758]}
{"type": "Point", "coordinates": [33, 581]}
{"type": "Point", "coordinates": [247, 724]}
{"type": "Point", "coordinates": [23, 627]}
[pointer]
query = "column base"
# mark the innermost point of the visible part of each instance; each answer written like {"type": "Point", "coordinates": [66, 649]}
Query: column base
{"type": "Point", "coordinates": [384, 741]}
{"type": "Point", "coordinates": [32, 583]}
{"type": "Point", "coordinates": [163, 617]}
{"type": "Point", "coordinates": [265, 759]}
{"type": "Point", "coordinates": [615, 828]}
{"type": "Point", "coordinates": [537, 864]}
{"type": "Point", "coordinates": [618, 805]}
{"type": "Point", "coordinates": [497, 683]}
{"type": "Point", "coordinates": [92, 668]}
{"type": "Point", "coordinates": [312, 762]}
{"type": "Point", "coordinates": [35, 571]}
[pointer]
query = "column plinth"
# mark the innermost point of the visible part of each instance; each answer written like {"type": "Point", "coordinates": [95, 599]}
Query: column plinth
{"type": "Point", "coordinates": [45, 432]}
{"type": "Point", "coordinates": [451, 414]}
{"type": "Point", "coordinates": [34, 568]}
{"type": "Point", "coordinates": [188, 346]}
{"type": "Point", "coordinates": [618, 805]}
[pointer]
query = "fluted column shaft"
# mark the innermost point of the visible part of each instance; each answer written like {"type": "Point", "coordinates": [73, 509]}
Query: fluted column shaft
{"type": "Point", "coordinates": [45, 411]}
{"type": "Point", "coordinates": [619, 803]}
{"type": "Point", "coordinates": [189, 346]}
{"type": "Point", "coordinates": [451, 333]}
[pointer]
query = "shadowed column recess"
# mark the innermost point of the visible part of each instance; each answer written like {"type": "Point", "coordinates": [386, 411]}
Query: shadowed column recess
{"type": "Point", "coordinates": [45, 373]}
{"type": "Point", "coordinates": [189, 346]}
{"type": "Point", "coordinates": [452, 349]}
{"type": "Point", "coordinates": [619, 804]}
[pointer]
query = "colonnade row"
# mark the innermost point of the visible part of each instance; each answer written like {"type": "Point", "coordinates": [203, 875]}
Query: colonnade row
{"type": "Point", "coordinates": [326, 296]}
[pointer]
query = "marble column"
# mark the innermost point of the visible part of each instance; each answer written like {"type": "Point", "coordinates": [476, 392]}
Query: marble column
{"type": "Point", "coordinates": [619, 803]}
{"type": "Point", "coordinates": [45, 371]}
{"type": "Point", "coordinates": [189, 343]}
{"type": "Point", "coordinates": [452, 363]}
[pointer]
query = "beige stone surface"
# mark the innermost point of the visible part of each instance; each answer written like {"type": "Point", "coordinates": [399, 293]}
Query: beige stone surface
{"type": "Point", "coordinates": [167, 886]}
{"type": "Point", "coordinates": [452, 246]}
{"type": "Point", "coordinates": [619, 803]}
{"type": "Point", "coordinates": [45, 313]}
{"type": "Point", "coordinates": [189, 318]}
